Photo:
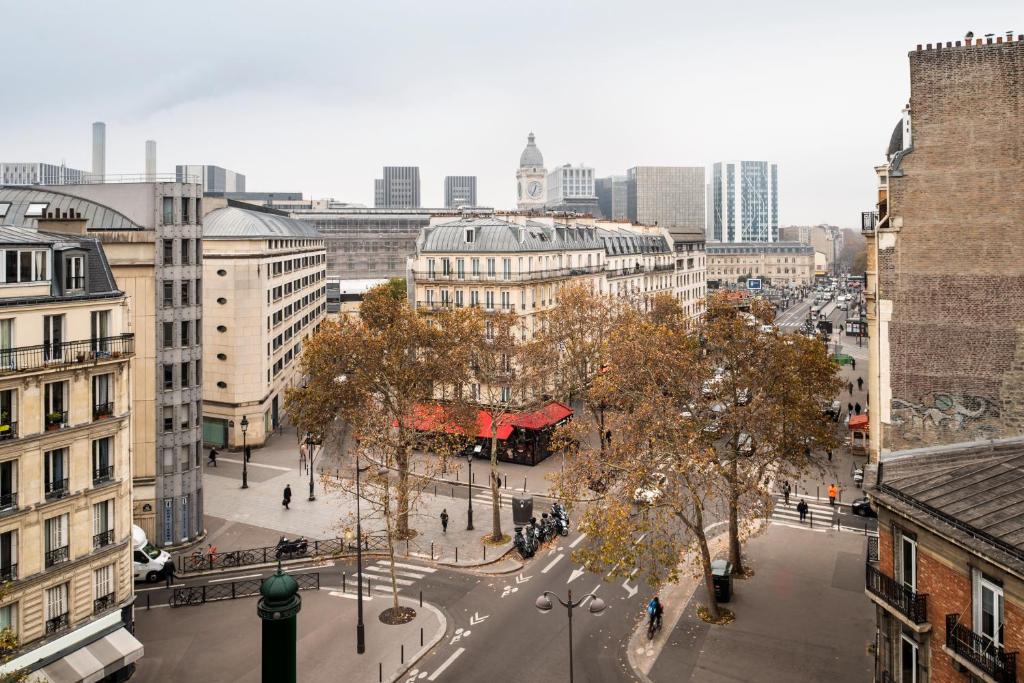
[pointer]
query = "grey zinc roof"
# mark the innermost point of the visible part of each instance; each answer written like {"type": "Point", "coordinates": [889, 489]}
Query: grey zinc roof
{"type": "Point", "coordinates": [626, 242]}
{"type": "Point", "coordinates": [234, 222]}
{"type": "Point", "coordinates": [100, 278]}
{"type": "Point", "coordinates": [11, 235]}
{"type": "Point", "coordinates": [500, 236]}
{"type": "Point", "coordinates": [97, 216]}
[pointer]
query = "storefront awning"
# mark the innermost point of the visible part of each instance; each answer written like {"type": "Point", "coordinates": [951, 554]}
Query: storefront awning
{"type": "Point", "coordinates": [95, 661]}
{"type": "Point", "coordinates": [858, 422]}
{"type": "Point", "coordinates": [549, 415]}
{"type": "Point", "coordinates": [435, 418]}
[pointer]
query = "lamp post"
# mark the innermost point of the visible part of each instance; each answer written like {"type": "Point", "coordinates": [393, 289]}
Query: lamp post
{"type": "Point", "coordinates": [360, 632]}
{"type": "Point", "coordinates": [596, 607]}
{"type": "Point", "coordinates": [311, 448]}
{"type": "Point", "coordinates": [476, 451]}
{"type": "Point", "coordinates": [245, 470]}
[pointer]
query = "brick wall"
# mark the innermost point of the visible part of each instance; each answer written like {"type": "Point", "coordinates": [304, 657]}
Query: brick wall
{"type": "Point", "coordinates": [956, 273]}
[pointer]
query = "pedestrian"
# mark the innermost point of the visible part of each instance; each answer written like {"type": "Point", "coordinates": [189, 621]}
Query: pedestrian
{"type": "Point", "coordinates": [801, 507]}
{"type": "Point", "coordinates": [169, 573]}
{"type": "Point", "coordinates": [213, 457]}
{"type": "Point", "coordinates": [849, 387]}
{"type": "Point", "coordinates": [849, 409]}
{"type": "Point", "coordinates": [832, 491]}
{"type": "Point", "coordinates": [860, 383]}
{"type": "Point", "coordinates": [785, 491]}
{"type": "Point", "coordinates": [444, 521]}
{"type": "Point", "coordinates": [856, 407]}
{"type": "Point", "coordinates": [853, 361]}
{"type": "Point", "coordinates": [302, 457]}
{"type": "Point", "coordinates": [286, 501]}
{"type": "Point", "coordinates": [828, 451]}
{"type": "Point", "coordinates": [248, 453]}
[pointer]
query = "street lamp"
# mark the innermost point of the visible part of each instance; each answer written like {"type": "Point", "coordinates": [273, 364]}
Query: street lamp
{"type": "Point", "coordinates": [311, 448]}
{"type": "Point", "coordinates": [360, 630]}
{"type": "Point", "coordinates": [475, 452]}
{"type": "Point", "coordinates": [245, 470]}
{"type": "Point", "coordinates": [596, 607]}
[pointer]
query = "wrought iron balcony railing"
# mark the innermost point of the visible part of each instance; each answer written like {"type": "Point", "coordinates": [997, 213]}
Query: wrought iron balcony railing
{"type": "Point", "coordinates": [102, 410]}
{"type": "Point", "coordinates": [57, 419]}
{"type": "Point", "coordinates": [912, 605]}
{"type": "Point", "coordinates": [980, 651]}
{"type": "Point", "coordinates": [65, 354]}
{"type": "Point", "coordinates": [56, 556]}
{"type": "Point", "coordinates": [103, 603]}
{"type": "Point", "coordinates": [9, 572]}
{"type": "Point", "coordinates": [8, 430]}
{"type": "Point", "coordinates": [102, 474]}
{"type": "Point", "coordinates": [57, 488]}
{"type": "Point", "coordinates": [57, 623]}
{"type": "Point", "coordinates": [8, 501]}
{"type": "Point", "coordinates": [502, 277]}
{"type": "Point", "coordinates": [101, 539]}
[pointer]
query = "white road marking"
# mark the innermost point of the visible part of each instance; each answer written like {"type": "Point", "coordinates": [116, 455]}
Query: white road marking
{"type": "Point", "coordinates": [551, 564]}
{"type": "Point", "coordinates": [577, 541]}
{"type": "Point", "coordinates": [576, 573]}
{"type": "Point", "coordinates": [338, 594]}
{"type": "Point", "coordinates": [387, 578]}
{"type": "Point", "coordinates": [256, 464]}
{"type": "Point", "coordinates": [236, 578]}
{"type": "Point", "coordinates": [522, 579]}
{"type": "Point", "coordinates": [414, 567]}
{"type": "Point", "coordinates": [398, 572]}
{"type": "Point", "coordinates": [476, 618]}
{"type": "Point", "coordinates": [448, 662]}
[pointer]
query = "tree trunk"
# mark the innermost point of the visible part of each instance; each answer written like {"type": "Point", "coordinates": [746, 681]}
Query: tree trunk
{"type": "Point", "coordinates": [735, 551]}
{"type": "Point", "coordinates": [391, 546]}
{"type": "Point", "coordinates": [402, 504]}
{"type": "Point", "coordinates": [496, 534]}
{"type": "Point", "coordinates": [705, 563]}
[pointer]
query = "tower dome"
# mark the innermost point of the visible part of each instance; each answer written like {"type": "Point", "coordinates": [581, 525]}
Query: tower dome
{"type": "Point", "coordinates": [531, 156]}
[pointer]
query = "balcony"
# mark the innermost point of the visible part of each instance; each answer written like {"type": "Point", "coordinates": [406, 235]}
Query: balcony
{"type": "Point", "coordinates": [102, 475]}
{"type": "Point", "coordinates": [56, 556]}
{"type": "Point", "coordinates": [22, 359]}
{"type": "Point", "coordinates": [102, 539]}
{"type": "Point", "coordinates": [58, 488]}
{"type": "Point", "coordinates": [911, 605]}
{"type": "Point", "coordinates": [102, 410]}
{"type": "Point", "coordinates": [8, 430]}
{"type": "Point", "coordinates": [979, 654]}
{"type": "Point", "coordinates": [499, 278]}
{"type": "Point", "coordinates": [104, 603]}
{"type": "Point", "coordinates": [58, 419]}
{"type": "Point", "coordinates": [8, 501]}
{"type": "Point", "coordinates": [9, 572]}
{"type": "Point", "coordinates": [57, 623]}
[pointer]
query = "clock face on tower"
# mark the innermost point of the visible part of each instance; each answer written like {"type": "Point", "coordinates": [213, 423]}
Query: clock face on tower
{"type": "Point", "coordinates": [534, 189]}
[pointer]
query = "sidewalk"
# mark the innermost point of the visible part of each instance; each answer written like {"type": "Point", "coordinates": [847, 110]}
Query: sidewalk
{"type": "Point", "coordinates": [222, 641]}
{"type": "Point", "coordinates": [244, 518]}
{"type": "Point", "coordinates": [801, 617]}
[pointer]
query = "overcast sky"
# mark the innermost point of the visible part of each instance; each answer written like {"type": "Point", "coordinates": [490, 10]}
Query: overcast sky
{"type": "Point", "coordinates": [317, 96]}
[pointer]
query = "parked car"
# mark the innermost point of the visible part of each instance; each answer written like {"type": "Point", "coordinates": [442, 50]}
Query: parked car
{"type": "Point", "coordinates": [862, 507]}
{"type": "Point", "coordinates": [649, 493]}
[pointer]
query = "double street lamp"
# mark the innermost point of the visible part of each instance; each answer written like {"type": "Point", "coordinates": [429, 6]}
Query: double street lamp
{"type": "Point", "coordinates": [245, 471]}
{"type": "Point", "coordinates": [596, 607]}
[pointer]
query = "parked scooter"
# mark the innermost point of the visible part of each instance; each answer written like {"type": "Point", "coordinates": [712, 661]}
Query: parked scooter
{"type": "Point", "coordinates": [291, 548]}
{"type": "Point", "coordinates": [532, 540]}
{"type": "Point", "coordinates": [522, 544]}
{"type": "Point", "coordinates": [561, 518]}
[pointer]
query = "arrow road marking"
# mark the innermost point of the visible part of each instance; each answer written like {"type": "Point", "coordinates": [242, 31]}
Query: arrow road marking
{"type": "Point", "coordinates": [577, 541]}
{"type": "Point", "coordinates": [552, 564]}
{"type": "Point", "coordinates": [448, 662]}
{"type": "Point", "coordinates": [576, 573]}
{"type": "Point", "coordinates": [523, 579]}
{"type": "Point", "coordinates": [631, 590]}
{"type": "Point", "coordinates": [476, 618]}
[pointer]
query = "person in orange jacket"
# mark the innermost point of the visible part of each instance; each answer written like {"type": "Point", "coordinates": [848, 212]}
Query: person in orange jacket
{"type": "Point", "coordinates": [832, 491]}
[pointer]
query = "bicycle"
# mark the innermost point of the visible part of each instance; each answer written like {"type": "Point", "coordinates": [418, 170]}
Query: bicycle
{"type": "Point", "coordinates": [653, 626]}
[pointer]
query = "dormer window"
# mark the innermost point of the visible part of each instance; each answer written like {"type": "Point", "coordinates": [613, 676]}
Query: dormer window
{"type": "Point", "coordinates": [469, 235]}
{"type": "Point", "coordinates": [74, 273]}
{"type": "Point", "coordinates": [36, 209]}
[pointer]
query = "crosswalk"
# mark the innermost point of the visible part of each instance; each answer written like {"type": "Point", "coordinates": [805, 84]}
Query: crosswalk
{"type": "Point", "coordinates": [406, 575]}
{"type": "Point", "coordinates": [819, 515]}
{"type": "Point", "coordinates": [482, 496]}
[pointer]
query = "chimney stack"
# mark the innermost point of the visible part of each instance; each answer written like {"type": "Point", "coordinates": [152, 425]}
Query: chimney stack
{"type": "Point", "coordinates": [150, 160]}
{"type": "Point", "coordinates": [99, 149]}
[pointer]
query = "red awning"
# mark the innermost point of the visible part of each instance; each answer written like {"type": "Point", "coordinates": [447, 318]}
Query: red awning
{"type": "Point", "coordinates": [859, 422]}
{"type": "Point", "coordinates": [549, 415]}
{"type": "Point", "coordinates": [435, 418]}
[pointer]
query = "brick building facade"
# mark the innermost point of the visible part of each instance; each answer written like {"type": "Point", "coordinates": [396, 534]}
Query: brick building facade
{"type": "Point", "coordinates": [946, 255]}
{"type": "Point", "coordinates": [948, 577]}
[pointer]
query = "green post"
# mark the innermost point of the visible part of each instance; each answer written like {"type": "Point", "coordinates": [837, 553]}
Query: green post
{"type": "Point", "coordinates": [279, 608]}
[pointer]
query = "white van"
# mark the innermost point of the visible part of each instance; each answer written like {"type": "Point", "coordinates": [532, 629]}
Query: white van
{"type": "Point", "coordinates": [149, 562]}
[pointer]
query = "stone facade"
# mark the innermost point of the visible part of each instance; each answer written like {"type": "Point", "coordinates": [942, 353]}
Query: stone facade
{"type": "Point", "coordinates": [948, 300]}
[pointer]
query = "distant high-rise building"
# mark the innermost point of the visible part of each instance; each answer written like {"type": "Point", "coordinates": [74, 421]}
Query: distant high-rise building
{"type": "Point", "coordinates": [459, 190]}
{"type": "Point", "coordinates": [398, 189]}
{"type": "Point", "coordinates": [668, 196]}
{"type": "Point", "coordinates": [34, 173]}
{"type": "Point", "coordinates": [213, 178]}
{"type": "Point", "coordinates": [612, 197]}
{"type": "Point", "coordinates": [99, 149]}
{"type": "Point", "coordinates": [150, 160]}
{"type": "Point", "coordinates": [531, 178]}
{"type": "Point", "coordinates": [745, 201]}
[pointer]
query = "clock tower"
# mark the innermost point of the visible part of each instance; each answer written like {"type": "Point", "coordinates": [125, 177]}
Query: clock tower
{"type": "Point", "coordinates": [531, 178]}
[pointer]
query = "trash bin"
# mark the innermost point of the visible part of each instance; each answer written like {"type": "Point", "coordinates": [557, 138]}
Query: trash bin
{"type": "Point", "coordinates": [522, 510]}
{"type": "Point", "coordinates": [721, 577]}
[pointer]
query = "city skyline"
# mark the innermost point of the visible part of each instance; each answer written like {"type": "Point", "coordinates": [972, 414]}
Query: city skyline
{"type": "Point", "coordinates": [814, 86]}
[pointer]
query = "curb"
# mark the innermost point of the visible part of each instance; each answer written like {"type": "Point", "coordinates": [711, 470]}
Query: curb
{"type": "Point", "coordinates": [428, 645]}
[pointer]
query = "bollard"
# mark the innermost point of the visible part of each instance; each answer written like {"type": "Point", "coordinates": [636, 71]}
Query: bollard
{"type": "Point", "coordinates": [367, 586]}
{"type": "Point", "coordinates": [524, 484]}
{"type": "Point", "coordinates": [456, 475]}
{"type": "Point", "coordinates": [817, 493]}
{"type": "Point", "coordinates": [472, 479]}
{"type": "Point", "coordinates": [506, 481]}
{"type": "Point", "coordinates": [380, 672]}
{"type": "Point", "coordinates": [456, 554]}
{"type": "Point", "coordinates": [401, 656]}
{"type": "Point", "coordinates": [407, 547]}
{"type": "Point", "coordinates": [865, 527]}
{"type": "Point", "coordinates": [435, 489]}
{"type": "Point", "coordinates": [485, 552]}
{"type": "Point", "coordinates": [343, 582]}
{"type": "Point", "coordinates": [421, 632]}
{"type": "Point", "coordinates": [147, 594]}
{"type": "Point", "coordinates": [811, 513]}
{"type": "Point", "coordinates": [421, 605]}
{"type": "Point", "coordinates": [431, 550]}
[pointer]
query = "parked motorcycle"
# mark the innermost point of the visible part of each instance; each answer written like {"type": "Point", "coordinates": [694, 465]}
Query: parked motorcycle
{"type": "Point", "coordinates": [561, 517]}
{"type": "Point", "coordinates": [522, 544]}
{"type": "Point", "coordinates": [291, 548]}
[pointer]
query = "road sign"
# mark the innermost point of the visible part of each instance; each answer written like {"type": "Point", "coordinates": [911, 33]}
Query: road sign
{"type": "Point", "coordinates": [754, 284]}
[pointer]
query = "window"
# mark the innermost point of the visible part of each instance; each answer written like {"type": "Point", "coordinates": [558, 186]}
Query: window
{"type": "Point", "coordinates": [506, 268]}
{"type": "Point", "coordinates": [186, 251]}
{"type": "Point", "coordinates": [103, 587]}
{"type": "Point", "coordinates": [988, 608]}
{"type": "Point", "coordinates": [56, 540]}
{"type": "Point", "coordinates": [490, 267]}
{"type": "Point", "coordinates": [36, 209]}
{"type": "Point", "coordinates": [186, 333]}
{"type": "Point", "coordinates": [168, 252]}
{"type": "Point", "coordinates": [908, 561]}
{"type": "Point", "coordinates": [168, 293]}
{"type": "Point", "coordinates": [4, 208]}
{"type": "Point", "coordinates": [185, 374]}
{"type": "Point", "coordinates": [7, 343]}
{"type": "Point", "coordinates": [102, 523]}
{"type": "Point", "coordinates": [489, 299]}
{"type": "Point", "coordinates": [102, 397]}
{"type": "Point", "coordinates": [55, 404]}
{"type": "Point", "coordinates": [99, 331]}
{"type": "Point", "coordinates": [185, 202]}
{"type": "Point", "coordinates": [168, 211]}
{"type": "Point", "coordinates": [55, 472]}
{"type": "Point", "coordinates": [460, 267]}
{"type": "Point", "coordinates": [8, 484]}
{"type": "Point", "coordinates": [57, 608]}
{"type": "Point", "coordinates": [53, 337]}
{"type": "Point", "coordinates": [8, 556]}
{"type": "Point", "coordinates": [474, 298]}
{"type": "Point", "coordinates": [908, 659]}
{"type": "Point", "coordinates": [168, 376]}
{"type": "Point", "coordinates": [506, 394]}
{"type": "Point", "coordinates": [102, 467]}
{"type": "Point", "coordinates": [9, 613]}
{"type": "Point", "coordinates": [469, 235]}
{"type": "Point", "coordinates": [168, 336]}
{"type": "Point", "coordinates": [185, 288]}
{"type": "Point", "coordinates": [476, 266]}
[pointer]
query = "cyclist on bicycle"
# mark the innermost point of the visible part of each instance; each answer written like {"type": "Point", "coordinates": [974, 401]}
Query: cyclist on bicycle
{"type": "Point", "coordinates": [654, 611]}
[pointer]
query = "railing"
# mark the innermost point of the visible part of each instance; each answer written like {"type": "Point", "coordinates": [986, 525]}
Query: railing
{"type": "Point", "coordinates": [58, 623]}
{"type": "Point", "coordinates": [872, 548]}
{"type": "Point", "coordinates": [57, 488]}
{"type": "Point", "coordinates": [912, 605]}
{"type": "Point", "coordinates": [102, 410]}
{"type": "Point", "coordinates": [103, 474]}
{"type": "Point", "coordinates": [197, 595]}
{"type": "Point", "coordinates": [200, 561]}
{"type": "Point", "coordinates": [57, 419]}
{"type": "Point", "coordinates": [8, 430]}
{"type": "Point", "coordinates": [96, 179]}
{"type": "Point", "coordinates": [980, 651]}
{"type": "Point", "coordinates": [104, 603]}
{"type": "Point", "coordinates": [102, 539]}
{"type": "Point", "coordinates": [9, 572]}
{"type": "Point", "coordinates": [8, 501]}
{"type": "Point", "coordinates": [498, 278]}
{"type": "Point", "coordinates": [57, 556]}
{"type": "Point", "coordinates": [65, 354]}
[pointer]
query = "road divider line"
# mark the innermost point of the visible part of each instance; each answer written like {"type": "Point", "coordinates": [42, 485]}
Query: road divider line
{"type": "Point", "coordinates": [552, 563]}
{"type": "Point", "coordinates": [448, 662]}
{"type": "Point", "coordinates": [257, 464]}
{"type": "Point", "coordinates": [414, 567]}
{"type": "Point", "coordinates": [577, 541]}
{"type": "Point", "coordinates": [236, 578]}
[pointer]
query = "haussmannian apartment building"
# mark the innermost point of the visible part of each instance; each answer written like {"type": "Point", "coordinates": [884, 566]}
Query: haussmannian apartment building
{"type": "Point", "coordinates": [782, 263]}
{"type": "Point", "coordinates": [66, 352]}
{"type": "Point", "coordinates": [265, 295]}
{"type": "Point", "coordinates": [152, 237]}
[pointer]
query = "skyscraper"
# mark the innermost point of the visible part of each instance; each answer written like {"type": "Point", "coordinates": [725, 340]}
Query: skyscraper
{"type": "Point", "coordinates": [459, 190]}
{"type": "Point", "coordinates": [398, 189]}
{"type": "Point", "coordinates": [668, 196]}
{"type": "Point", "coordinates": [745, 202]}
{"type": "Point", "coordinates": [612, 197]}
